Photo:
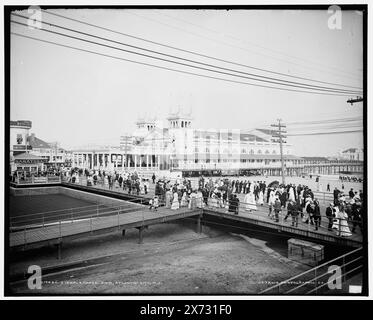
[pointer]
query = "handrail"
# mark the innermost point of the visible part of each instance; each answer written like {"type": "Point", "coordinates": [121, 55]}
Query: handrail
{"type": "Point", "coordinates": [322, 275]}
{"type": "Point", "coordinates": [115, 210]}
{"type": "Point", "coordinates": [312, 270]}
{"type": "Point", "coordinates": [59, 210]}
{"type": "Point", "coordinates": [341, 276]}
{"type": "Point", "coordinates": [78, 215]}
{"type": "Point", "coordinates": [95, 209]}
{"type": "Point", "coordinates": [322, 217]}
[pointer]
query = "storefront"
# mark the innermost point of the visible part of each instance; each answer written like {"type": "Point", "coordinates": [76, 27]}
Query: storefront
{"type": "Point", "coordinates": [27, 164]}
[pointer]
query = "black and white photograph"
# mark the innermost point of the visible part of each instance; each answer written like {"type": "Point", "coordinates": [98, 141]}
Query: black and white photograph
{"type": "Point", "coordinates": [186, 151]}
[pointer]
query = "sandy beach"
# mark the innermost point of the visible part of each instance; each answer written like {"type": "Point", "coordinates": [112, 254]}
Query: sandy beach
{"type": "Point", "coordinates": [172, 260]}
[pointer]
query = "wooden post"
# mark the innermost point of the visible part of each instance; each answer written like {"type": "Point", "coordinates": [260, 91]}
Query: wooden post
{"type": "Point", "coordinates": [308, 225]}
{"type": "Point", "coordinates": [24, 237]}
{"type": "Point", "coordinates": [59, 249]}
{"type": "Point", "coordinates": [123, 232]}
{"type": "Point", "coordinates": [118, 218]}
{"type": "Point", "coordinates": [141, 235]}
{"type": "Point", "coordinates": [199, 223]}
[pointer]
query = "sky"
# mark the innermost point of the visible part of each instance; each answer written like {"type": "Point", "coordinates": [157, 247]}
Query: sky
{"type": "Point", "coordinates": [78, 98]}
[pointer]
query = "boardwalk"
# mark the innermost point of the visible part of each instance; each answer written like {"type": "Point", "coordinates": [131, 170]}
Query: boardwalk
{"type": "Point", "coordinates": [303, 230]}
{"type": "Point", "coordinates": [260, 217]}
{"type": "Point", "coordinates": [135, 215]}
{"type": "Point", "coordinates": [56, 232]}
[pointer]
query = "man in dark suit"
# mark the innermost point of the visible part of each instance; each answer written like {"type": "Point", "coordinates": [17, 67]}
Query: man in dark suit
{"type": "Point", "coordinates": [356, 215]}
{"type": "Point", "coordinates": [330, 215]}
{"type": "Point", "coordinates": [317, 215]}
{"type": "Point", "coordinates": [336, 192]}
{"type": "Point", "coordinates": [236, 204]}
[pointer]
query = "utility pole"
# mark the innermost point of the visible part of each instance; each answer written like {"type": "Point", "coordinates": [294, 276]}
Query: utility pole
{"type": "Point", "coordinates": [278, 135]}
{"type": "Point", "coordinates": [125, 146]}
{"type": "Point", "coordinates": [352, 101]}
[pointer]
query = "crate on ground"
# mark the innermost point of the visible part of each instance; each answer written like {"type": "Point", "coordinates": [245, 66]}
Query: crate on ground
{"type": "Point", "coordinates": [305, 252]}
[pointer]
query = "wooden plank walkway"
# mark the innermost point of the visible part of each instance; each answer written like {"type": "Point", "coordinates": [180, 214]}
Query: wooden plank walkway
{"type": "Point", "coordinates": [119, 221]}
{"type": "Point", "coordinates": [260, 218]}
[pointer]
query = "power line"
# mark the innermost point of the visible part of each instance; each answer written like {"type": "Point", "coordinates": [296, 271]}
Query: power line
{"type": "Point", "coordinates": [195, 53]}
{"type": "Point", "coordinates": [184, 59]}
{"type": "Point", "coordinates": [305, 86]}
{"type": "Point", "coordinates": [323, 133]}
{"type": "Point", "coordinates": [326, 125]}
{"type": "Point", "coordinates": [254, 44]}
{"type": "Point", "coordinates": [326, 121]}
{"type": "Point", "coordinates": [279, 134]}
{"type": "Point", "coordinates": [238, 47]}
{"type": "Point", "coordinates": [317, 130]}
{"type": "Point", "coordinates": [167, 68]}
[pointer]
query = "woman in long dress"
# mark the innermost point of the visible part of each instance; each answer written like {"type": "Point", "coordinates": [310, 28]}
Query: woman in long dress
{"type": "Point", "coordinates": [192, 201]}
{"type": "Point", "coordinates": [261, 198]}
{"type": "Point", "coordinates": [175, 202]}
{"type": "Point", "coordinates": [291, 194]}
{"type": "Point", "coordinates": [341, 223]}
{"type": "Point", "coordinates": [250, 203]}
{"type": "Point", "coordinates": [168, 199]}
{"type": "Point", "coordinates": [199, 199]}
{"type": "Point", "coordinates": [184, 200]}
{"type": "Point", "coordinates": [212, 201]}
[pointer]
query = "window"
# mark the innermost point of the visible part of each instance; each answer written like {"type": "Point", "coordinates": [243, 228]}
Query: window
{"type": "Point", "coordinates": [267, 152]}
{"type": "Point", "coordinates": [19, 139]}
{"type": "Point", "coordinates": [259, 151]}
{"type": "Point", "coordinates": [243, 151]}
{"type": "Point", "coordinates": [251, 151]}
{"type": "Point", "coordinates": [274, 152]}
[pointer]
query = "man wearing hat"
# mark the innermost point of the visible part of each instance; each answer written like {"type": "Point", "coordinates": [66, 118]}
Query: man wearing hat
{"type": "Point", "coordinates": [277, 208]}
{"type": "Point", "coordinates": [356, 215]}
{"type": "Point", "coordinates": [330, 215]}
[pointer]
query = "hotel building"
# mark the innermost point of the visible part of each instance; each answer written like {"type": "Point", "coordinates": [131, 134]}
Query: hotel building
{"type": "Point", "coordinates": [180, 147]}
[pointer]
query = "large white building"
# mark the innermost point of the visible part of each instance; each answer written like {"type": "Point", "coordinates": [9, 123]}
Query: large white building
{"type": "Point", "coordinates": [180, 146]}
{"type": "Point", "coordinates": [352, 154]}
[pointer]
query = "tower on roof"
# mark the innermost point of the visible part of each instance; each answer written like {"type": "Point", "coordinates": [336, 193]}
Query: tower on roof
{"type": "Point", "coordinates": [180, 119]}
{"type": "Point", "coordinates": [148, 124]}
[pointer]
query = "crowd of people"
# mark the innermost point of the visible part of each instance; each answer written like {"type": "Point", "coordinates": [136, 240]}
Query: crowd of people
{"type": "Point", "coordinates": [350, 179]}
{"type": "Point", "coordinates": [129, 182]}
{"type": "Point", "coordinates": [297, 203]}
{"type": "Point", "coordinates": [289, 201]}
